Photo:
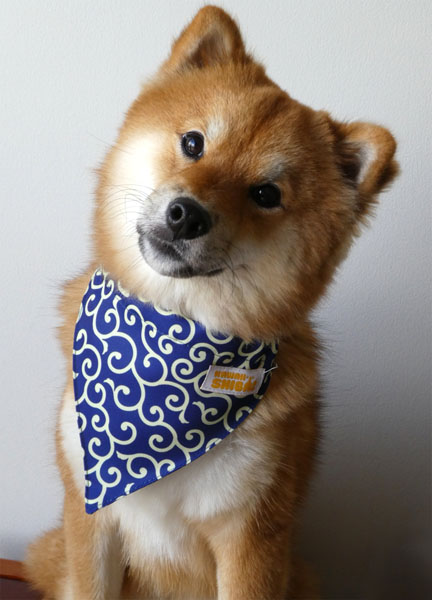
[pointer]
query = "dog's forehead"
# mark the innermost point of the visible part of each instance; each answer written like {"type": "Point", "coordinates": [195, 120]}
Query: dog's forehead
{"type": "Point", "coordinates": [263, 125]}
{"type": "Point", "coordinates": [253, 130]}
{"type": "Point", "coordinates": [242, 109]}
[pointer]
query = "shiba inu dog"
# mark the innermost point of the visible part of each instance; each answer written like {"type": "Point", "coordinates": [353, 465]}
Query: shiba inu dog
{"type": "Point", "coordinates": [227, 205]}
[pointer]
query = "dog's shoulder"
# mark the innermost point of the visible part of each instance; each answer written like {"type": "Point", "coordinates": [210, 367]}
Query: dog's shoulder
{"type": "Point", "coordinates": [69, 303]}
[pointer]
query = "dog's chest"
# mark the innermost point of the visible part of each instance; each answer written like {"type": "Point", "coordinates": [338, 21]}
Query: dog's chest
{"type": "Point", "coordinates": [154, 521]}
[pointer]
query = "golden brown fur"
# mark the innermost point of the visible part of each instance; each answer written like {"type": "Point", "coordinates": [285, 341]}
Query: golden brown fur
{"type": "Point", "coordinates": [329, 174]}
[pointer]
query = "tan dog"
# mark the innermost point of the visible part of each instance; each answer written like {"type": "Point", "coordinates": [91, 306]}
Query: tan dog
{"type": "Point", "coordinates": [267, 195]}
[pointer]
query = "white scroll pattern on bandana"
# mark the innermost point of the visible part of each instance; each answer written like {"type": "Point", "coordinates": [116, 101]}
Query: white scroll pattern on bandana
{"type": "Point", "coordinates": [137, 374]}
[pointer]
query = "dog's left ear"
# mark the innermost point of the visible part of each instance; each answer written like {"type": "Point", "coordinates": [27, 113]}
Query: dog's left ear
{"type": "Point", "coordinates": [365, 155]}
{"type": "Point", "coordinates": [211, 38]}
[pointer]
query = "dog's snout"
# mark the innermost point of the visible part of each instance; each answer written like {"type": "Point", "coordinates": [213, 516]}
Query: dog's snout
{"type": "Point", "coordinates": [187, 219]}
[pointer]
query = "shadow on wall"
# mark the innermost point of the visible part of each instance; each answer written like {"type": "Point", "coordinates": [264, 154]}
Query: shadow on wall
{"type": "Point", "coordinates": [364, 522]}
{"type": "Point", "coordinates": [406, 574]}
{"type": "Point", "coordinates": [397, 570]}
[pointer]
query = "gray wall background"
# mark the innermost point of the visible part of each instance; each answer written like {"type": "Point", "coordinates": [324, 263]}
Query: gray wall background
{"type": "Point", "coordinates": [68, 72]}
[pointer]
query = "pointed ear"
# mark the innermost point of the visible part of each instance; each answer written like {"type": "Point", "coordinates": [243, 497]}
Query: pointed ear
{"type": "Point", "coordinates": [365, 154]}
{"type": "Point", "coordinates": [211, 38]}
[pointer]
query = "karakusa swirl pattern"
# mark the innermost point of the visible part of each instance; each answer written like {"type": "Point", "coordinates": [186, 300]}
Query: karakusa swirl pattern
{"type": "Point", "coordinates": [137, 373]}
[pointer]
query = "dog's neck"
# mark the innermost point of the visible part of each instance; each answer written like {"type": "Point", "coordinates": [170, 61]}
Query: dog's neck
{"type": "Point", "coordinates": [219, 303]}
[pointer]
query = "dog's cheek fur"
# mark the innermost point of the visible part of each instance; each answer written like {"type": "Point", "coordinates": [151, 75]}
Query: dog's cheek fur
{"type": "Point", "coordinates": [127, 177]}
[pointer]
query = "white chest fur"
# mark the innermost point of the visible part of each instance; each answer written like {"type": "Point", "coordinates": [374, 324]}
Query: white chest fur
{"type": "Point", "coordinates": [154, 520]}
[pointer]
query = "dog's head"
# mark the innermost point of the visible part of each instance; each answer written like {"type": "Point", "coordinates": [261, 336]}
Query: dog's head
{"type": "Point", "coordinates": [225, 199]}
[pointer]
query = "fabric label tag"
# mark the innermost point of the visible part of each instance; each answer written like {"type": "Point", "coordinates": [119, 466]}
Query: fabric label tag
{"type": "Point", "coordinates": [233, 381]}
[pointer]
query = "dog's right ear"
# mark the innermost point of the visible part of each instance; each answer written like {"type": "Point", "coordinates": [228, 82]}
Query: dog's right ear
{"type": "Point", "coordinates": [211, 38]}
{"type": "Point", "coordinates": [365, 155]}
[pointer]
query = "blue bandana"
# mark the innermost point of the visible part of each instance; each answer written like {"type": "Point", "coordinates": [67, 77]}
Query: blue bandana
{"type": "Point", "coordinates": [154, 390]}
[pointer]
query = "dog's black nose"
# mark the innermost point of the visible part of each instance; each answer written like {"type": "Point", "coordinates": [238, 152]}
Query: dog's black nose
{"type": "Point", "coordinates": [187, 219]}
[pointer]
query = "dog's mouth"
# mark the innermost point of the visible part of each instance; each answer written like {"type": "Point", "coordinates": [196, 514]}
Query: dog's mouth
{"type": "Point", "coordinates": [175, 258]}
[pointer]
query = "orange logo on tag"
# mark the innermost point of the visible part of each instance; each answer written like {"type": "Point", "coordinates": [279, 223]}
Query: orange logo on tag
{"type": "Point", "coordinates": [237, 382]}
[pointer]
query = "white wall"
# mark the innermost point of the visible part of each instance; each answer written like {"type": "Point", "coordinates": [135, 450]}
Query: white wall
{"type": "Point", "coordinates": [68, 72]}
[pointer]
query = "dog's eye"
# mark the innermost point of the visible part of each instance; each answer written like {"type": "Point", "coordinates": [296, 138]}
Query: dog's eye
{"type": "Point", "coordinates": [266, 196]}
{"type": "Point", "coordinates": [193, 144]}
